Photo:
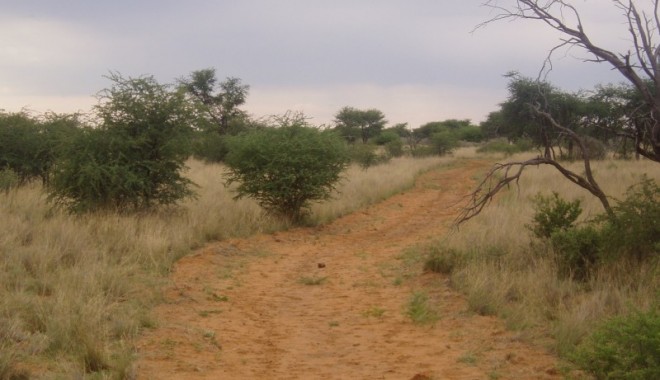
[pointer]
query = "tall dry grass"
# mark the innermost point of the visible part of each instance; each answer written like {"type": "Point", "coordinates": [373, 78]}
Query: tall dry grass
{"type": "Point", "coordinates": [505, 272]}
{"type": "Point", "coordinates": [75, 291]}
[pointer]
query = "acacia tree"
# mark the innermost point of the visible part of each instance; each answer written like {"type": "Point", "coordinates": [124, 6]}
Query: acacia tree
{"type": "Point", "coordinates": [133, 159]}
{"type": "Point", "coordinates": [639, 65]}
{"type": "Point", "coordinates": [353, 123]}
{"type": "Point", "coordinates": [219, 102]}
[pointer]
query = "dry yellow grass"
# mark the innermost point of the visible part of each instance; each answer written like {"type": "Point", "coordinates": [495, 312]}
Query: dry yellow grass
{"type": "Point", "coordinates": [506, 275]}
{"type": "Point", "coordinates": [76, 290]}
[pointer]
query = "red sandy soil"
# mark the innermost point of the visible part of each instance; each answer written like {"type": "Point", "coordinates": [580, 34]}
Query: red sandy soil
{"type": "Point", "coordinates": [246, 308]}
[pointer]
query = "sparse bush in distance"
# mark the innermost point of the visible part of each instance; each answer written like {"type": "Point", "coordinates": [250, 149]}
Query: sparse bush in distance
{"type": "Point", "coordinates": [386, 137]}
{"type": "Point", "coordinates": [502, 145]}
{"type": "Point", "coordinates": [364, 155]}
{"type": "Point", "coordinates": [394, 148]}
{"type": "Point", "coordinates": [444, 142]}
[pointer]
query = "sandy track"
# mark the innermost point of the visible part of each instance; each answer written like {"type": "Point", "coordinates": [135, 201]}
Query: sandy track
{"type": "Point", "coordinates": [245, 308]}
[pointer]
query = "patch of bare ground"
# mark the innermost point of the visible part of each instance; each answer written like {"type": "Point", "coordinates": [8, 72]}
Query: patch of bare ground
{"type": "Point", "coordinates": [329, 303]}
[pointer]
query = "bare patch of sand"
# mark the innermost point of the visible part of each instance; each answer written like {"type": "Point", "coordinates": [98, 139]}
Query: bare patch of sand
{"type": "Point", "coordinates": [323, 303]}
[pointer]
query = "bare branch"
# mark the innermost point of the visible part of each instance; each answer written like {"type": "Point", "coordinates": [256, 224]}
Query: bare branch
{"type": "Point", "coordinates": [502, 175]}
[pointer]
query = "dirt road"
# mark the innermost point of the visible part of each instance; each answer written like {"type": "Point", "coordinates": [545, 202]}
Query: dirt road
{"type": "Point", "coordinates": [330, 303]}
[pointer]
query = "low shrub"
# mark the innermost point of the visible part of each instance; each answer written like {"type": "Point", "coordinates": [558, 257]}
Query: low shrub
{"type": "Point", "coordinates": [365, 155]}
{"type": "Point", "coordinates": [502, 145]}
{"type": "Point", "coordinates": [420, 310]}
{"type": "Point", "coordinates": [553, 214]}
{"type": "Point", "coordinates": [634, 232]}
{"type": "Point", "coordinates": [394, 148]}
{"type": "Point", "coordinates": [625, 347]}
{"type": "Point", "coordinates": [442, 260]}
{"type": "Point", "coordinates": [578, 250]}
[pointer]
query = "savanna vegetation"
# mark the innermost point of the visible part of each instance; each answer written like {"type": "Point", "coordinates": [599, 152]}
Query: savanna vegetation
{"type": "Point", "coordinates": [96, 208]}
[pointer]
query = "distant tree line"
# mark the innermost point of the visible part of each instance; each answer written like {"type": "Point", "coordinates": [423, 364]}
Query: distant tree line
{"type": "Point", "coordinates": [129, 153]}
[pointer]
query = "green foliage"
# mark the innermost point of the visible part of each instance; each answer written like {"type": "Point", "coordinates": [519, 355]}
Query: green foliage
{"type": "Point", "coordinates": [354, 124]}
{"type": "Point", "coordinates": [554, 214]}
{"type": "Point", "coordinates": [385, 137]}
{"type": "Point", "coordinates": [502, 145]}
{"type": "Point", "coordinates": [29, 145]}
{"type": "Point", "coordinates": [132, 161]}
{"type": "Point", "coordinates": [578, 250]}
{"type": "Point", "coordinates": [8, 179]}
{"type": "Point", "coordinates": [210, 146]}
{"type": "Point", "coordinates": [216, 104]}
{"type": "Point", "coordinates": [364, 155]}
{"type": "Point", "coordinates": [626, 347]}
{"type": "Point", "coordinates": [394, 148]}
{"type": "Point", "coordinates": [470, 133]}
{"type": "Point", "coordinates": [634, 231]}
{"type": "Point", "coordinates": [420, 310]}
{"type": "Point", "coordinates": [287, 167]}
{"type": "Point", "coordinates": [444, 142]}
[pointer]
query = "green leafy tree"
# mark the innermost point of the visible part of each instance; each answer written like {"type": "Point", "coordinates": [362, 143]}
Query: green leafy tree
{"type": "Point", "coordinates": [134, 158]}
{"type": "Point", "coordinates": [218, 103]}
{"type": "Point", "coordinates": [287, 167]}
{"type": "Point", "coordinates": [354, 124]}
{"type": "Point", "coordinates": [29, 145]}
{"type": "Point", "coordinates": [20, 146]}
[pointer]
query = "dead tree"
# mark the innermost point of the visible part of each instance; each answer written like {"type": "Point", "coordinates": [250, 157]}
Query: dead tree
{"type": "Point", "coordinates": [640, 66]}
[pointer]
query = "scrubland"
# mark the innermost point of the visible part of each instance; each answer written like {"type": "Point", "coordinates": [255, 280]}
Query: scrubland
{"type": "Point", "coordinates": [75, 291]}
{"type": "Point", "coordinates": [504, 270]}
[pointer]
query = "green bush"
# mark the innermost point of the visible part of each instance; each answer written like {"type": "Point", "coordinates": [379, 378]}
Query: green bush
{"type": "Point", "coordinates": [502, 145]}
{"type": "Point", "coordinates": [444, 142]}
{"type": "Point", "coordinates": [133, 160]}
{"type": "Point", "coordinates": [8, 179]}
{"type": "Point", "coordinates": [626, 347]}
{"type": "Point", "coordinates": [553, 214]}
{"type": "Point", "coordinates": [364, 155]}
{"type": "Point", "coordinates": [210, 146]}
{"type": "Point", "coordinates": [578, 250]}
{"type": "Point", "coordinates": [21, 146]}
{"type": "Point", "coordinates": [385, 137]}
{"type": "Point", "coordinates": [394, 148]}
{"type": "Point", "coordinates": [634, 231]}
{"type": "Point", "coordinates": [286, 168]}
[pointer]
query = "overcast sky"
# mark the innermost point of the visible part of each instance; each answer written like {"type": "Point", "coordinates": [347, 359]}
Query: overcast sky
{"type": "Point", "coordinates": [415, 60]}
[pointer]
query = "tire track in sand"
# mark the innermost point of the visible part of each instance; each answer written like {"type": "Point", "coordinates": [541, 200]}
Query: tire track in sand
{"type": "Point", "coordinates": [240, 309]}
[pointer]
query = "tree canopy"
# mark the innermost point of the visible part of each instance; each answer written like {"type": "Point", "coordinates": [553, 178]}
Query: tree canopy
{"type": "Point", "coordinates": [133, 159]}
{"type": "Point", "coordinates": [354, 124]}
